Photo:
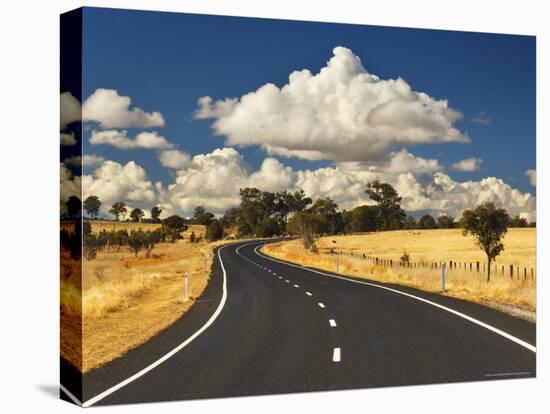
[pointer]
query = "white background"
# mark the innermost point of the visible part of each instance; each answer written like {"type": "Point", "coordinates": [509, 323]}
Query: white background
{"type": "Point", "coordinates": [29, 139]}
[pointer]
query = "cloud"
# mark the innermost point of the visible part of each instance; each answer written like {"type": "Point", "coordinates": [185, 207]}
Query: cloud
{"type": "Point", "coordinates": [342, 113]}
{"type": "Point", "coordinates": [111, 110]}
{"type": "Point", "coordinates": [532, 174]}
{"type": "Point", "coordinates": [120, 139]}
{"type": "Point", "coordinates": [113, 182]}
{"type": "Point", "coordinates": [70, 185]}
{"type": "Point", "coordinates": [67, 138]}
{"type": "Point", "coordinates": [86, 160]}
{"type": "Point", "coordinates": [214, 179]}
{"type": "Point", "coordinates": [174, 159]}
{"type": "Point", "coordinates": [482, 119]}
{"type": "Point", "coordinates": [70, 110]}
{"type": "Point", "coordinates": [468, 165]}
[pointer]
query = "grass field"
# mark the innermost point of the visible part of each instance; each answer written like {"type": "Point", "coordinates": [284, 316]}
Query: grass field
{"type": "Point", "coordinates": [126, 300]}
{"type": "Point", "coordinates": [427, 246]}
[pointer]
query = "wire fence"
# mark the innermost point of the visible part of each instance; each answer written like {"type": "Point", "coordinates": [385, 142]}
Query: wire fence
{"type": "Point", "coordinates": [498, 270]}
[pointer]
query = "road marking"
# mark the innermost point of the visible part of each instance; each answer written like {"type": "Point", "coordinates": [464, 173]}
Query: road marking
{"type": "Point", "coordinates": [429, 302]}
{"type": "Point", "coordinates": [508, 374]}
{"type": "Point", "coordinates": [174, 351]}
{"type": "Point", "coordinates": [309, 294]}
{"type": "Point", "coordinates": [332, 323]}
{"type": "Point", "coordinates": [287, 281]}
{"type": "Point", "coordinates": [280, 277]}
{"type": "Point", "coordinates": [336, 357]}
{"type": "Point", "coordinates": [321, 305]}
{"type": "Point", "coordinates": [296, 286]}
{"type": "Point", "coordinates": [274, 274]}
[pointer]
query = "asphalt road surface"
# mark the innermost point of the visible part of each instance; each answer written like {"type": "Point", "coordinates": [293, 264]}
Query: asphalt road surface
{"type": "Point", "coordinates": [264, 326]}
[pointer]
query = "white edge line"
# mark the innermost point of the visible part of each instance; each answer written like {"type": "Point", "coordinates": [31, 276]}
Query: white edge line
{"type": "Point", "coordinates": [429, 302]}
{"type": "Point", "coordinates": [321, 305]}
{"type": "Point", "coordinates": [336, 355]}
{"type": "Point", "coordinates": [159, 361]}
{"type": "Point", "coordinates": [508, 374]}
{"type": "Point", "coordinates": [70, 395]}
{"type": "Point", "coordinates": [332, 323]}
{"type": "Point", "coordinates": [309, 294]}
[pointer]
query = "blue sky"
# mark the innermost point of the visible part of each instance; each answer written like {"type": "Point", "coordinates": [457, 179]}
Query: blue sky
{"type": "Point", "coordinates": [166, 61]}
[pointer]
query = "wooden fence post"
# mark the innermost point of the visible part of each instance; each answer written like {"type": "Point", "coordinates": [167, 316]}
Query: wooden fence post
{"type": "Point", "coordinates": [511, 271]}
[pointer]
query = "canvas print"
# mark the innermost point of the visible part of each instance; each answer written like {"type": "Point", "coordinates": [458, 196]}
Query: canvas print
{"type": "Point", "coordinates": [258, 206]}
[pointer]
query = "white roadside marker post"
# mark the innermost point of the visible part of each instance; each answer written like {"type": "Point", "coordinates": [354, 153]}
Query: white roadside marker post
{"type": "Point", "coordinates": [185, 287]}
{"type": "Point", "coordinates": [443, 266]}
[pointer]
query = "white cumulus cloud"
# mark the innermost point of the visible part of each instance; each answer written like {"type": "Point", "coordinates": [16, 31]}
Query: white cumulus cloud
{"type": "Point", "coordinates": [70, 110]}
{"type": "Point", "coordinates": [67, 138]}
{"type": "Point", "coordinates": [85, 160]}
{"type": "Point", "coordinates": [113, 182]}
{"type": "Point", "coordinates": [532, 174]}
{"type": "Point", "coordinates": [120, 139]}
{"type": "Point", "coordinates": [174, 159]}
{"type": "Point", "coordinates": [112, 110]}
{"type": "Point", "coordinates": [342, 113]}
{"type": "Point", "coordinates": [468, 165]}
{"type": "Point", "coordinates": [214, 179]}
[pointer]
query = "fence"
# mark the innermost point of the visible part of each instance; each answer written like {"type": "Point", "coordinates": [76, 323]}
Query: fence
{"type": "Point", "coordinates": [508, 270]}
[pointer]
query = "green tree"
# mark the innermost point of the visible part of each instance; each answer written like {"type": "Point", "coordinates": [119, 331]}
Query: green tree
{"type": "Point", "coordinates": [518, 221]}
{"type": "Point", "coordinates": [364, 218]}
{"type": "Point", "coordinates": [446, 222]}
{"type": "Point", "coordinates": [269, 227]}
{"type": "Point", "coordinates": [136, 215]}
{"type": "Point", "coordinates": [305, 225]}
{"type": "Point", "coordinates": [150, 240]}
{"type": "Point", "coordinates": [92, 205]}
{"type": "Point", "coordinates": [155, 214]}
{"type": "Point", "coordinates": [391, 216]}
{"type": "Point", "coordinates": [202, 216]}
{"type": "Point", "coordinates": [74, 206]}
{"type": "Point", "coordinates": [172, 226]}
{"type": "Point", "coordinates": [410, 223]}
{"type": "Point", "coordinates": [137, 241]}
{"type": "Point", "coordinates": [118, 209]}
{"type": "Point", "coordinates": [426, 222]}
{"type": "Point", "coordinates": [329, 221]}
{"type": "Point", "coordinates": [119, 239]}
{"type": "Point", "coordinates": [488, 225]}
{"type": "Point", "coordinates": [214, 231]}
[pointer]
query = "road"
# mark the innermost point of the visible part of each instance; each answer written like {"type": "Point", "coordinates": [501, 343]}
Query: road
{"type": "Point", "coordinates": [265, 326]}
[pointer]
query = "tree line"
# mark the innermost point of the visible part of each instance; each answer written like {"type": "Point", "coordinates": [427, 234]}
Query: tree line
{"type": "Point", "coordinates": [269, 214]}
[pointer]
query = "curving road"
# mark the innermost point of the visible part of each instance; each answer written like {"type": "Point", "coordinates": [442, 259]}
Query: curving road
{"type": "Point", "coordinates": [264, 326]}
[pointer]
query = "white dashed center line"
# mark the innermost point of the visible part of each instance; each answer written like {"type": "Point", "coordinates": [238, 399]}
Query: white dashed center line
{"type": "Point", "coordinates": [296, 286]}
{"type": "Point", "coordinates": [336, 357]}
{"type": "Point", "coordinates": [321, 305]}
{"type": "Point", "coordinates": [280, 277]}
{"type": "Point", "coordinates": [287, 281]}
{"type": "Point", "coordinates": [309, 294]}
{"type": "Point", "coordinates": [332, 323]}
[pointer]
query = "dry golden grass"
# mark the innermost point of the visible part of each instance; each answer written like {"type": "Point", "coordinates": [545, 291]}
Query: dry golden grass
{"type": "Point", "coordinates": [118, 301]}
{"type": "Point", "coordinates": [430, 246]}
{"type": "Point", "coordinates": [100, 225]}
